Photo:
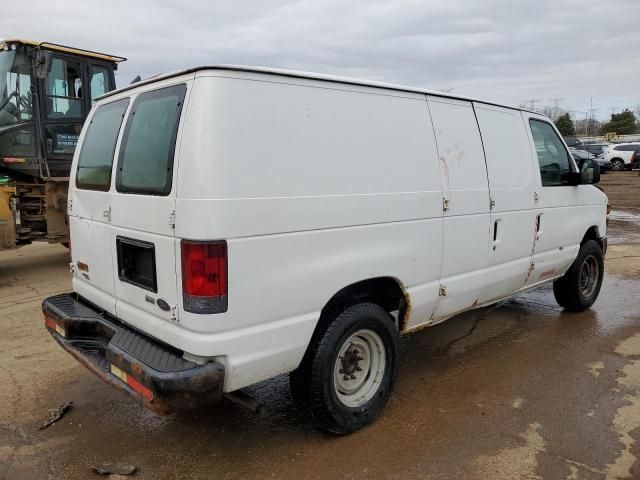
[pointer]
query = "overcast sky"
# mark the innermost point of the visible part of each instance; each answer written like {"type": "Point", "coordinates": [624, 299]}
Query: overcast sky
{"type": "Point", "coordinates": [504, 51]}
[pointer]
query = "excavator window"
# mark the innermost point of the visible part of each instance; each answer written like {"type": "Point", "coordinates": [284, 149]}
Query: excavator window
{"type": "Point", "coordinates": [64, 89]}
{"type": "Point", "coordinates": [99, 81]}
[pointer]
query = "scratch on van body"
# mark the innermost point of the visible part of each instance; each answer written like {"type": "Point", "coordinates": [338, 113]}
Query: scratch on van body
{"type": "Point", "coordinates": [459, 153]}
{"type": "Point", "coordinates": [445, 169]}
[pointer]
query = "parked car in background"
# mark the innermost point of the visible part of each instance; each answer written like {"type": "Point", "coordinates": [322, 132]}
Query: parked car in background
{"type": "Point", "coordinates": [578, 155]}
{"type": "Point", "coordinates": [623, 155]}
{"type": "Point", "coordinates": [605, 165]}
{"type": "Point", "coordinates": [572, 142]}
{"type": "Point", "coordinates": [596, 149]}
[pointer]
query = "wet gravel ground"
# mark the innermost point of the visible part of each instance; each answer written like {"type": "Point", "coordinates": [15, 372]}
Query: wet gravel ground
{"type": "Point", "coordinates": [518, 390]}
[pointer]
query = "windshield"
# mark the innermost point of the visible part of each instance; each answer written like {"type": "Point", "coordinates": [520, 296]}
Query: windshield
{"type": "Point", "coordinates": [15, 87]}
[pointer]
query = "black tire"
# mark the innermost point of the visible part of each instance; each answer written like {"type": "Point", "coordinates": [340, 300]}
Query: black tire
{"type": "Point", "coordinates": [578, 289]}
{"type": "Point", "coordinates": [618, 164]}
{"type": "Point", "coordinates": [313, 384]}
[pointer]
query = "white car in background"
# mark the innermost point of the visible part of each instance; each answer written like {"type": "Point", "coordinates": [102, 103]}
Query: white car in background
{"type": "Point", "coordinates": [623, 155]}
{"type": "Point", "coordinates": [596, 149]}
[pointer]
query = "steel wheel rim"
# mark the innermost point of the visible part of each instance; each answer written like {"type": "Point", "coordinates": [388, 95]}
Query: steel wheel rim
{"type": "Point", "coordinates": [589, 274]}
{"type": "Point", "coordinates": [359, 368]}
{"type": "Point", "coordinates": [618, 165]}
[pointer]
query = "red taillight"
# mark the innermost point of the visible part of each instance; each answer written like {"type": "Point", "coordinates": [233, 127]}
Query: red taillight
{"type": "Point", "coordinates": [204, 276]}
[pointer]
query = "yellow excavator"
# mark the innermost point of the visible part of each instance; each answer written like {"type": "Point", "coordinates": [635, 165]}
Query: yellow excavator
{"type": "Point", "coordinates": [46, 92]}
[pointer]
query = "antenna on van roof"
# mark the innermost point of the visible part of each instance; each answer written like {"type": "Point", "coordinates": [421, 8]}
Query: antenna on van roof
{"type": "Point", "coordinates": [136, 80]}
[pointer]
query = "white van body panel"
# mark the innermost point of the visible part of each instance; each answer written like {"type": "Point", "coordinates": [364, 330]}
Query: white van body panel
{"type": "Point", "coordinates": [512, 189]}
{"type": "Point", "coordinates": [319, 183]}
{"type": "Point", "coordinates": [463, 174]}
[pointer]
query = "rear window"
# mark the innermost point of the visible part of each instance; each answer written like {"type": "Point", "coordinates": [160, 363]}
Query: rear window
{"type": "Point", "coordinates": [98, 148]}
{"type": "Point", "coordinates": [145, 164]}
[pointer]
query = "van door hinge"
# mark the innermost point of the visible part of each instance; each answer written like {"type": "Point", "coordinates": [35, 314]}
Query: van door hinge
{"type": "Point", "coordinates": [492, 203]}
{"type": "Point", "coordinates": [107, 214]}
{"type": "Point", "coordinates": [72, 268]}
{"type": "Point", "coordinates": [532, 267]}
{"type": "Point", "coordinates": [536, 197]}
{"type": "Point", "coordinates": [445, 205]}
{"type": "Point", "coordinates": [70, 206]}
{"type": "Point", "coordinates": [443, 291]}
{"type": "Point", "coordinates": [174, 318]}
{"type": "Point", "coordinates": [172, 219]}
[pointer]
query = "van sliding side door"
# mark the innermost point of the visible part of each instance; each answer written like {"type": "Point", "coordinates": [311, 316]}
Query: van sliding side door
{"type": "Point", "coordinates": [465, 204]}
{"type": "Point", "coordinates": [512, 185]}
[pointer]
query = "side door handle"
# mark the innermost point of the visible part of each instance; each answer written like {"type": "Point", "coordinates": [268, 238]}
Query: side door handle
{"type": "Point", "coordinates": [496, 232]}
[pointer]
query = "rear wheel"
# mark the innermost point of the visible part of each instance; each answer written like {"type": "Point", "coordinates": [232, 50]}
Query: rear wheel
{"type": "Point", "coordinates": [578, 289]}
{"type": "Point", "coordinates": [348, 373]}
{"type": "Point", "coordinates": [617, 164]}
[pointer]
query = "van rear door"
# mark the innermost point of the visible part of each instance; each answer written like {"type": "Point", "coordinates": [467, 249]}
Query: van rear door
{"type": "Point", "coordinates": [90, 206]}
{"type": "Point", "coordinates": [142, 215]}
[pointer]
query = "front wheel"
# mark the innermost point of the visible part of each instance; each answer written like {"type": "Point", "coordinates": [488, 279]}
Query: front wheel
{"type": "Point", "coordinates": [348, 373]}
{"type": "Point", "coordinates": [578, 289]}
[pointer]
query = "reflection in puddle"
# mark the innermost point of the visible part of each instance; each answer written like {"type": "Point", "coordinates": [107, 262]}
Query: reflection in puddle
{"type": "Point", "coordinates": [624, 216]}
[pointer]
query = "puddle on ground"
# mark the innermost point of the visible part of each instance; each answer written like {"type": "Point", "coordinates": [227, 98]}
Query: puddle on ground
{"type": "Point", "coordinates": [625, 216]}
{"type": "Point", "coordinates": [623, 227]}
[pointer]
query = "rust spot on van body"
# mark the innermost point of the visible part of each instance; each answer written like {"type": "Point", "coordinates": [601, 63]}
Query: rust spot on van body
{"type": "Point", "coordinates": [405, 311]}
{"type": "Point", "coordinates": [533, 249]}
{"type": "Point", "coordinates": [547, 273]}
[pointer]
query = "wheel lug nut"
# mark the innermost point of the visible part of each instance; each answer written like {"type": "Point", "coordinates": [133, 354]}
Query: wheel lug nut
{"type": "Point", "coordinates": [346, 377]}
{"type": "Point", "coordinates": [353, 377]}
{"type": "Point", "coordinates": [358, 369]}
{"type": "Point", "coordinates": [360, 358]}
{"type": "Point", "coordinates": [341, 370]}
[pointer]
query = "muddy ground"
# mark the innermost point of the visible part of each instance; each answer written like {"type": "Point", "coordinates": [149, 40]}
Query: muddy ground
{"type": "Point", "coordinates": [521, 390]}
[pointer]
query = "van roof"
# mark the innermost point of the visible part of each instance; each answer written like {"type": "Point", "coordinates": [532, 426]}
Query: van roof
{"type": "Point", "coordinates": [306, 75]}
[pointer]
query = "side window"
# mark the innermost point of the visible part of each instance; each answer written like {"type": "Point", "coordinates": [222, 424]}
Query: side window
{"type": "Point", "coordinates": [99, 81]}
{"type": "Point", "coordinates": [96, 156]}
{"type": "Point", "coordinates": [145, 162]}
{"type": "Point", "coordinates": [553, 158]}
{"type": "Point", "coordinates": [64, 89]}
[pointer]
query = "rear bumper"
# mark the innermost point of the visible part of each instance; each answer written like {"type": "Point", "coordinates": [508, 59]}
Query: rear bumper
{"type": "Point", "coordinates": [154, 374]}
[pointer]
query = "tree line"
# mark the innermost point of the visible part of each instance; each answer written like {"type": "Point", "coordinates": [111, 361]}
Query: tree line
{"type": "Point", "coordinates": [622, 123]}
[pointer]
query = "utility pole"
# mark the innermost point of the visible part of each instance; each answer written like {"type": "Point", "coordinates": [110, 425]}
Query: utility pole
{"type": "Point", "coordinates": [532, 104]}
{"type": "Point", "coordinates": [556, 106]}
{"type": "Point", "coordinates": [591, 113]}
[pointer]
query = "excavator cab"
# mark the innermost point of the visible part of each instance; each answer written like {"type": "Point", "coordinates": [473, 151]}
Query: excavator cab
{"type": "Point", "coordinates": [46, 92]}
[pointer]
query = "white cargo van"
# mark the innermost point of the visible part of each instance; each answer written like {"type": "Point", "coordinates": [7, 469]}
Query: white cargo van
{"type": "Point", "coordinates": [231, 224]}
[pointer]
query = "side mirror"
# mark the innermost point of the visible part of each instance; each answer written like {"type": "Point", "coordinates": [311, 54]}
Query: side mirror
{"type": "Point", "coordinates": [589, 172]}
{"type": "Point", "coordinates": [42, 64]}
